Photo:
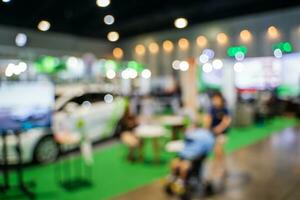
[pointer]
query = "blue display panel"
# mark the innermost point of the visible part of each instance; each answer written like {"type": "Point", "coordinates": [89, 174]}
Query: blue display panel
{"type": "Point", "coordinates": [26, 105]}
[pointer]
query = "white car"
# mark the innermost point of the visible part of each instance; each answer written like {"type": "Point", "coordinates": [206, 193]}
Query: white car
{"type": "Point", "coordinates": [99, 113]}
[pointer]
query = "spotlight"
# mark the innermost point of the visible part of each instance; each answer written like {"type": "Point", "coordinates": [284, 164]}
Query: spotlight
{"type": "Point", "coordinates": [181, 23]}
{"type": "Point", "coordinates": [113, 36]}
{"type": "Point", "coordinates": [201, 41]}
{"type": "Point", "coordinates": [118, 53]}
{"type": "Point", "coordinates": [44, 25]}
{"type": "Point", "coordinates": [222, 38]}
{"type": "Point", "coordinates": [103, 3]}
{"type": "Point", "coordinates": [153, 48]}
{"type": "Point", "coordinates": [183, 44]}
{"type": "Point", "coordinates": [109, 19]}
{"type": "Point", "coordinates": [21, 39]}
{"type": "Point", "coordinates": [140, 49]}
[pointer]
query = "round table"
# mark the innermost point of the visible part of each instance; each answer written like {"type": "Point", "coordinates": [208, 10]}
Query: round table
{"type": "Point", "coordinates": [176, 123]}
{"type": "Point", "coordinates": [153, 132]}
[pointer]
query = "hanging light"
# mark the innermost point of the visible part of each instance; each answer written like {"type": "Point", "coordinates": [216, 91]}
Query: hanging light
{"type": "Point", "coordinates": [113, 36]}
{"type": "Point", "coordinates": [201, 41]}
{"type": "Point", "coordinates": [118, 53]}
{"type": "Point", "coordinates": [181, 23]}
{"type": "Point", "coordinates": [140, 49]}
{"type": "Point", "coordinates": [222, 38]}
{"type": "Point", "coordinates": [168, 46]}
{"type": "Point", "coordinates": [183, 44]}
{"type": "Point", "coordinates": [153, 48]}
{"type": "Point", "coordinates": [44, 25]}
{"type": "Point", "coordinates": [109, 19]}
{"type": "Point", "coordinates": [103, 3]}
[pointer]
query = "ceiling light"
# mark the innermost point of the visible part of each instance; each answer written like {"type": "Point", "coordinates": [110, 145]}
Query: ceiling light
{"type": "Point", "coordinates": [222, 38]}
{"type": "Point", "coordinates": [168, 46]}
{"type": "Point", "coordinates": [140, 49]}
{"type": "Point", "coordinates": [181, 23]}
{"type": "Point", "coordinates": [153, 48]}
{"type": "Point", "coordinates": [44, 25]}
{"type": "Point", "coordinates": [201, 41]}
{"type": "Point", "coordinates": [113, 36]}
{"type": "Point", "coordinates": [103, 3]}
{"type": "Point", "coordinates": [183, 44]}
{"type": "Point", "coordinates": [6, 1]}
{"type": "Point", "coordinates": [273, 32]}
{"type": "Point", "coordinates": [21, 40]}
{"type": "Point", "coordinates": [118, 53]}
{"type": "Point", "coordinates": [245, 36]}
{"type": "Point", "coordinates": [109, 19]}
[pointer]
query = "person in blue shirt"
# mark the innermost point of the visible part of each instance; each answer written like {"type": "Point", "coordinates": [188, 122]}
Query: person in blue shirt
{"type": "Point", "coordinates": [218, 120]}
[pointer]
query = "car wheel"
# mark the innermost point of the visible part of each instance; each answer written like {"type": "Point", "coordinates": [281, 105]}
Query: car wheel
{"type": "Point", "coordinates": [46, 151]}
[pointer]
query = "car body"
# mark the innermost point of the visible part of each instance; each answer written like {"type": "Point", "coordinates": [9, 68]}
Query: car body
{"type": "Point", "coordinates": [100, 119]}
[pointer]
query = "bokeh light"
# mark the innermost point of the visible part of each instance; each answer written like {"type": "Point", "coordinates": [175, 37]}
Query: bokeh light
{"type": "Point", "coordinates": [168, 46]}
{"type": "Point", "coordinates": [140, 49]}
{"type": "Point", "coordinates": [245, 36]}
{"type": "Point", "coordinates": [181, 23]}
{"type": "Point", "coordinates": [103, 3]}
{"type": "Point", "coordinates": [183, 44]}
{"type": "Point", "coordinates": [118, 53]}
{"type": "Point", "coordinates": [109, 19]}
{"type": "Point", "coordinates": [153, 48]}
{"type": "Point", "coordinates": [201, 41]}
{"type": "Point", "coordinates": [273, 32]}
{"type": "Point", "coordinates": [222, 38]}
{"type": "Point", "coordinates": [113, 36]}
{"type": "Point", "coordinates": [44, 25]}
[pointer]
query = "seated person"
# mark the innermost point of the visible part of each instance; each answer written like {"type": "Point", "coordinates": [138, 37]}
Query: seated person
{"type": "Point", "coordinates": [218, 120]}
{"type": "Point", "coordinates": [128, 123]}
{"type": "Point", "coordinates": [197, 144]}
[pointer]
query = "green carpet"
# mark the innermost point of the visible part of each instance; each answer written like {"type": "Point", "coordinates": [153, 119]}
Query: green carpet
{"type": "Point", "coordinates": [113, 175]}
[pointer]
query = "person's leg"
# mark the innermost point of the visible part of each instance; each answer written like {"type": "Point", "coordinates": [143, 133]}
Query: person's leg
{"type": "Point", "coordinates": [219, 161]}
{"type": "Point", "coordinates": [184, 169]}
{"type": "Point", "coordinates": [175, 165]}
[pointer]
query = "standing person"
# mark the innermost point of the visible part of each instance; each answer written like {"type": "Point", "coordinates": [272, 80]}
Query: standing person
{"type": "Point", "coordinates": [218, 121]}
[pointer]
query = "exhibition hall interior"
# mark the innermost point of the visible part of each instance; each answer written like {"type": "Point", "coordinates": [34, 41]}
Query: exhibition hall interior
{"type": "Point", "coordinates": [149, 100]}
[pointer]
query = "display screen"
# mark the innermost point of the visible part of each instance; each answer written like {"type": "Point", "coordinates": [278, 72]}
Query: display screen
{"type": "Point", "coordinates": [25, 105]}
{"type": "Point", "coordinates": [258, 73]}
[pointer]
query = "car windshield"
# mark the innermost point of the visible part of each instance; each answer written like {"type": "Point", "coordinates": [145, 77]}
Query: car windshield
{"type": "Point", "coordinates": [89, 97]}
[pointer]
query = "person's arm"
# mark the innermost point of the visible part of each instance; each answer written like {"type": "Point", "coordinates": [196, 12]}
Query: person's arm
{"type": "Point", "coordinates": [224, 124]}
{"type": "Point", "coordinates": [207, 120]}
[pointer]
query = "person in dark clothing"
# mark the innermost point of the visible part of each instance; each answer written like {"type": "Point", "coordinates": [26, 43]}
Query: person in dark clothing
{"type": "Point", "coordinates": [218, 121]}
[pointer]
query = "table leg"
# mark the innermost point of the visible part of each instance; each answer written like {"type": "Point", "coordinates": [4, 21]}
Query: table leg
{"type": "Point", "coordinates": [156, 151]}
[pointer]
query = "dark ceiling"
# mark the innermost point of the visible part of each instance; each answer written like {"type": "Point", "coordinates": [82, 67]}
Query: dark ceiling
{"type": "Point", "coordinates": [133, 17]}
